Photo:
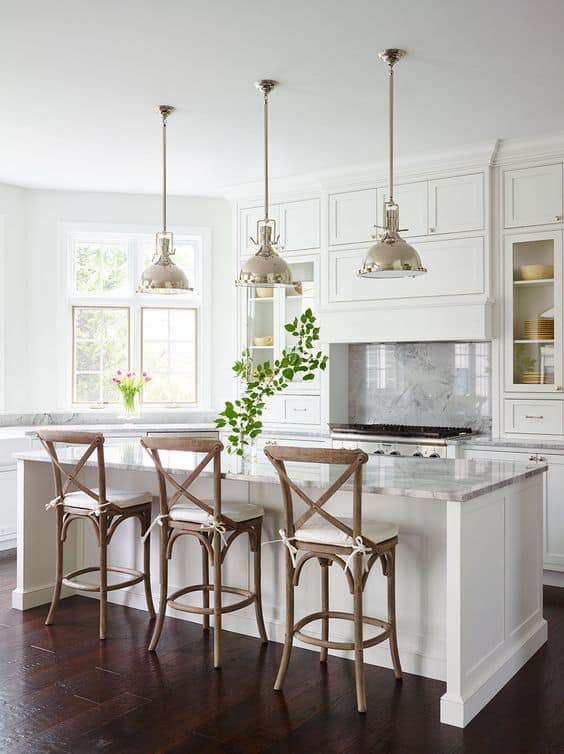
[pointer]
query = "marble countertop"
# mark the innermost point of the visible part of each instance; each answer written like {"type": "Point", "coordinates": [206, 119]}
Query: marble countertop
{"type": "Point", "coordinates": [486, 441]}
{"type": "Point", "coordinates": [111, 430]}
{"type": "Point", "coordinates": [438, 479]}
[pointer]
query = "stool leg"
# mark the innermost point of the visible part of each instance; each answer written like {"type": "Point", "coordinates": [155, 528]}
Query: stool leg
{"type": "Point", "coordinates": [103, 527]}
{"type": "Point", "coordinates": [58, 569]}
{"type": "Point", "coordinates": [147, 565]}
{"type": "Point", "coordinates": [216, 600]}
{"type": "Point", "coordinates": [205, 580]}
{"type": "Point", "coordinates": [164, 588]}
{"type": "Point", "coordinates": [324, 563]}
{"type": "Point", "coordinates": [391, 557]}
{"type": "Point", "coordinates": [358, 649]}
{"type": "Point", "coordinates": [289, 636]}
{"type": "Point", "coordinates": [258, 581]}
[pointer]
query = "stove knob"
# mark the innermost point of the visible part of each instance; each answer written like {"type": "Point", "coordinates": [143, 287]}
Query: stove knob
{"type": "Point", "coordinates": [395, 453]}
{"type": "Point", "coordinates": [434, 455]}
{"type": "Point", "coordinates": [418, 453]}
{"type": "Point", "coordinates": [378, 452]}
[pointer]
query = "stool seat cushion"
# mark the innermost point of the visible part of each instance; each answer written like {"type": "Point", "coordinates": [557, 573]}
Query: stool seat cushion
{"type": "Point", "coordinates": [194, 514]}
{"type": "Point", "coordinates": [119, 498]}
{"type": "Point", "coordinates": [323, 533]}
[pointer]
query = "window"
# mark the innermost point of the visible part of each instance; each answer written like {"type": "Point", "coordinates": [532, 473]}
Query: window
{"type": "Point", "coordinates": [113, 327]}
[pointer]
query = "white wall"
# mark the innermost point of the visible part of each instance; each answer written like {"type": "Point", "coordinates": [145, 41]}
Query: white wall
{"type": "Point", "coordinates": [13, 341]}
{"type": "Point", "coordinates": [42, 263]}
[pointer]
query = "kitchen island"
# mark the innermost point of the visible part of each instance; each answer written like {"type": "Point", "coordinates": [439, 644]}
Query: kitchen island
{"type": "Point", "coordinates": [469, 559]}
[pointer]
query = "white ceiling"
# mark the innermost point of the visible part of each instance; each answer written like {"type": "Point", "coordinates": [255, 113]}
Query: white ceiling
{"type": "Point", "coordinates": [78, 80]}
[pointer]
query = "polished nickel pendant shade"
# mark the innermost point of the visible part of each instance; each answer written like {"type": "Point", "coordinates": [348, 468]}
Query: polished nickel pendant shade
{"type": "Point", "coordinates": [391, 256]}
{"type": "Point", "coordinates": [266, 269]}
{"type": "Point", "coordinates": [163, 276]}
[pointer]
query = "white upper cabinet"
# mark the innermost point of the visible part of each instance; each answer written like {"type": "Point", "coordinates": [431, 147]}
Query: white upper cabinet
{"type": "Point", "coordinates": [248, 219]}
{"type": "Point", "coordinates": [456, 204]}
{"type": "Point", "coordinates": [533, 196]}
{"type": "Point", "coordinates": [352, 217]}
{"type": "Point", "coordinates": [299, 225]}
{"type": "Point", "coordinates": [412, 200]}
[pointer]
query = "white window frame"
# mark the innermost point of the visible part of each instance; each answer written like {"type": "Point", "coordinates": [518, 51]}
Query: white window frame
{"type": "Point", "coordinates": [69, 233]}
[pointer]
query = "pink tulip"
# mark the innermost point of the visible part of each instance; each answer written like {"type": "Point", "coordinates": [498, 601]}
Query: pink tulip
{"type": "Point", "coordinates": [128, 374]}
{"type": "Point", "coordinates": [118, 372]}
{"type": "Point", "coordinates": [148, 379]}
{"type": "Point", "coordinates": [118, 382]}
{"type": "Point", "coordinates": [144, 374]}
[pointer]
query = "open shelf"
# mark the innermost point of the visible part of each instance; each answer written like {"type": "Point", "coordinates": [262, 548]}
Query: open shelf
{"type": "Point", "coordinates": [543, 281]}
{"type": "Point", "coordinates": [261, 348]}
{"type": "Point", "coordinates": [527, 340]}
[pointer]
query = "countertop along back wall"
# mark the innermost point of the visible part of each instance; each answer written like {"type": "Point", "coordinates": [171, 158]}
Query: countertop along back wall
{"type": "Point", "coordinates": [46, 210]}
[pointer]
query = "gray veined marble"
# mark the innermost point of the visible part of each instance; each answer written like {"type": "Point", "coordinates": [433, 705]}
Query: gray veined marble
{"type": "Point", "coordinates": [437, 479]}
{"type": "Point", "coordinates": [438, 383]}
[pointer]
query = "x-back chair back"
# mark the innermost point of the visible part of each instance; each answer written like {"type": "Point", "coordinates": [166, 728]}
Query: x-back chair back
{"type": "Point", "coordinates": [67, 480]}
{"type": "Point", "coordinates": [361, 545]}
{"type": "Point", "coordinates": [211, 450]}
{"type": "Point", "coordinates": [354, 461]}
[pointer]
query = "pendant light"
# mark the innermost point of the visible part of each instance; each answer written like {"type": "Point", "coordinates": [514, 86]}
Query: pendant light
{"type": "Point", "coordinates": [266, 269]}
{"type": "Point", "coordinates": [391, 256]}
{"type": "Point", "coordinates": [163, 275]}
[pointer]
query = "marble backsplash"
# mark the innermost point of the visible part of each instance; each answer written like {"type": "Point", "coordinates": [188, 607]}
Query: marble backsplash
{"type": "Point", "coordinates": [437, 383]}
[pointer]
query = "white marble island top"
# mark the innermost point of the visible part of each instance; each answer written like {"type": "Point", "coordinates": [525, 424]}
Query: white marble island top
{"type": "Point", "coordinates": [438, 478]}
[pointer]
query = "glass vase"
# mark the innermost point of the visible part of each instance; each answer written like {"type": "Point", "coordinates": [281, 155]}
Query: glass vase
{"type": "Point", "coordinates": [130, 403]}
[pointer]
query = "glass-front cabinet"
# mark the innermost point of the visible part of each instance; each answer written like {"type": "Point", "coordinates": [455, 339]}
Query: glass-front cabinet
{"type": "Point", "coordinates": [267, 310]}
{"type": "Point", "coordinates": [533, 312]}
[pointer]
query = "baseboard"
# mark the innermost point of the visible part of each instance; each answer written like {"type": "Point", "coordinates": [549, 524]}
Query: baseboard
{"type": "Point", "coordinates": [459, 711]}
{"type": "Point", "coordinates": [25, 600]}
{"type": "Point", "coordinates": [8, 541]}
{"type": "Point", "coordinates": [553, 578]}
{"type": "Point", "coordinates": [413, 662]}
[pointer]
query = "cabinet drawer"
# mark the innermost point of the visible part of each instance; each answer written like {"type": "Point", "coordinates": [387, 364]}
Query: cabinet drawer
{"type": "Point", "coordinates": [306, 410]}
{"type": "Point", "coordinates": [352, 216]}
{"type": "Point", "coordinates": [413, 201]}
{"type": "Point", "coordinates": [534, 417]}
{"type": "Point", "coordinates": [274, 409]}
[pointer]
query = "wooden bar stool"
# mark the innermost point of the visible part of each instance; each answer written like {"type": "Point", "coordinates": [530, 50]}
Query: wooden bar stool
{"type": "Point", "coordinates": [330, 539]}
{"type": "Point", "coordinates": [105, 508]}
{"type": "Point", "coordinates": [214, 526]}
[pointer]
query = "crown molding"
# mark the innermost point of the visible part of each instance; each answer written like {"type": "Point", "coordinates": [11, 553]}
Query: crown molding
{"type": "Point", "coordinates": [417, 167]}
{"type": "Point", "coordinates": [535, 149]}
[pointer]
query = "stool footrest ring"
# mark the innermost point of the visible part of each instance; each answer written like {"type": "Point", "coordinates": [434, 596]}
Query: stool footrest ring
{"type": "Point", "coordinates": [137, 577]}
{"type": "Point", "coordinates": [248, 599]}
{"type": "Point", "coordinates": [343, 645]}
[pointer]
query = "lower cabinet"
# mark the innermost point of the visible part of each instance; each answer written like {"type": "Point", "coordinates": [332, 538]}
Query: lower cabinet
{"type": "Point", "coordinates": [553, 498]}
{"type": "Point", "coordinates": [293, 409]}
{"type": "Point", "coordinates": [8, 492]}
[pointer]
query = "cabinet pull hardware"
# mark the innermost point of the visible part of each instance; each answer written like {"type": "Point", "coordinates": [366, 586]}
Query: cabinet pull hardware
{"type": "Point", "coordinates": [530, 416]}
{"type": "Point", "coordinates": [542, 458]}
{"type": "Point", "coordinates": [298, 409]}
{"type": "Point", "coordinates": [431, 230]}
{"type": "Point", "coordinates": [558, 387]}
{"type": "Point", "coordinates": [558, 218]}
{"type": "Point", "coordinates": [532, 458]}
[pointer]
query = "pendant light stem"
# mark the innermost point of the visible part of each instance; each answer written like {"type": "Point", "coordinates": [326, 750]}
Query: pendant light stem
{"type": "Point", "coordinates": [266, 192]}
{"type": "Point", "coordinates": [164, 173]}
{"type": "Point", "coordinates": [391, 136]}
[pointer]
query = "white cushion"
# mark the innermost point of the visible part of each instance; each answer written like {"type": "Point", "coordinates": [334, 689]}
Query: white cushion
{"type": "Point", "coordinates": [234, 511]}
{"type": "Point", "coordinates": [323, 533]}
{"type": "Point", "coordinates": [120, 498]}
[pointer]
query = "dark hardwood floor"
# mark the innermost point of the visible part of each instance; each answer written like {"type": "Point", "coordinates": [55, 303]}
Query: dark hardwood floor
{"type": "Point", "coordinates": [62, 690]}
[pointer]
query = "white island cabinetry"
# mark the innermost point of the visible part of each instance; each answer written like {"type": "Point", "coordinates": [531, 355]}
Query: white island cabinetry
{"type": "Point", "coordinates": [468, 615]}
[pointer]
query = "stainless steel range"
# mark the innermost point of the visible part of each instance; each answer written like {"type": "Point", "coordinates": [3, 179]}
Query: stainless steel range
{"type": "Point", "coordinates": [396, 439]}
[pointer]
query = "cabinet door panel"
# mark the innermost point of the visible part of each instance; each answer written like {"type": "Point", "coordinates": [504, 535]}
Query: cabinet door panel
{"type": "Point", "coordinates": [534, 417]}
{"type": "Point", "coordinates": [454, 268]}
{"type": "Point", "coordinates": [533, 196]}
{"type": "Point", "coordinates": [8, 490]}
{"type": "Point", "coordinates": [248, 218]}
{"type": "Point", "coordinates": [456, 204]}
{"type": "Point", "coordinates": [299, 225]}
{"type": "Point", "coordinates": [352, 216]}
{"type": "Point", "coordinates": [412, 200]}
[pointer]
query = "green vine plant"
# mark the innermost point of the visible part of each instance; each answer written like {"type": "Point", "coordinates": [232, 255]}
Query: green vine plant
{"type": "Point", "coordinates": [244, 416]}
